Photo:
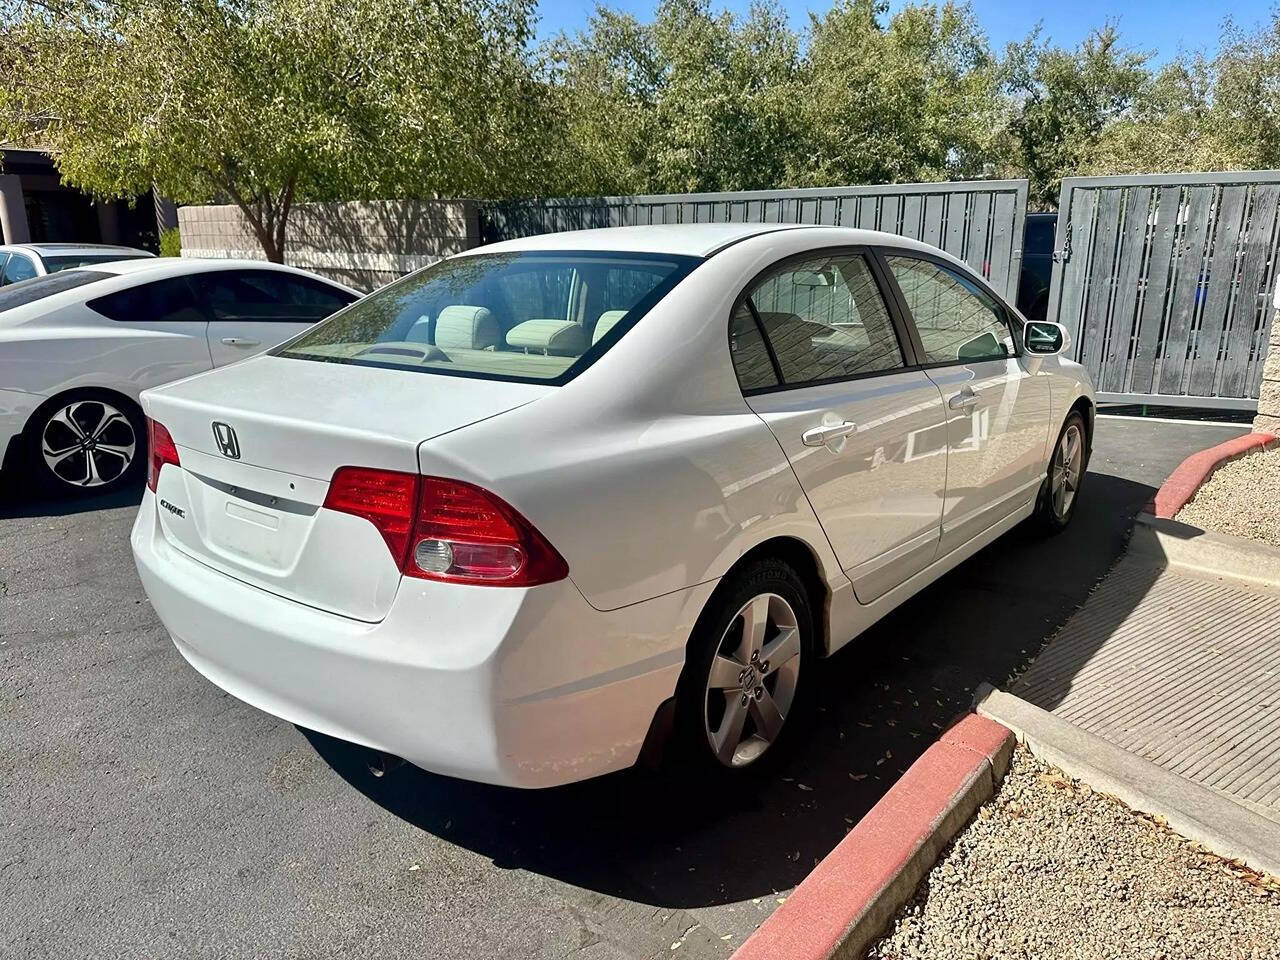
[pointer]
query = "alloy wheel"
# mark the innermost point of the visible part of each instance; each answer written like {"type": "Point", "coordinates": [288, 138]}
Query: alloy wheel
{"type": "Point", "coordinates": [88, 443]}
{"type": "Point", "coordinates": [751, 686]}
{"type": "Point", "coordinates": [1068, 460]}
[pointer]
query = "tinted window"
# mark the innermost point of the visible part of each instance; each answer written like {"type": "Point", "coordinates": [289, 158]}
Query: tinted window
{"type": "Point", "coordinates": [18, 268]}
{"type": "Point", "coordinates": [37, 288]}
{"type": "Point", "coordinates": [267, 295]}
{"type": "Point", "coordinates": [957, 320]}
{"type": "Point", "coordinates": [826, 320]}
{"type": "Point", "coordinates": [54, 264]}
{"type": "Point", "coordinates": [750, 356]}
{"type": "Point", "coordinates": [161, 301]}
{"type": "Point", "coordinates": [540, 316]}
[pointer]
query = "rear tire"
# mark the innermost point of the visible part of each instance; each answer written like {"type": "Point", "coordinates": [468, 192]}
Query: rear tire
{"type": "Point", "coordinates": [86, 442]}
{"type": "Point", "coordinates": [744, 686]}
{"type": "Point", "coordinates": [1060, 492]}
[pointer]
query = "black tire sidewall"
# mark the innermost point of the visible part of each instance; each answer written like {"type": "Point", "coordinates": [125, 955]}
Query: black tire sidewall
{"type": "Point", "coordinates": [762, 576]}
{"type": "Point", "coordinates": [1048, 520]}
{"type": "Point", "coordinates": [47, 482]}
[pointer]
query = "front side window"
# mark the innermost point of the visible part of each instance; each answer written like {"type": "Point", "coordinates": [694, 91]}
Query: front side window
{"type": "Point", "coordinates": [530, 316]}
{"type": "Point", "coordinates": [826, 320]}
{"type": "Point", "coordinates": [161, 301]}
{"type": "Point", "coordinates": [267, 295]}
{"type": "Point", "coordinates": [18, 268]}
{"type": "Point", "coordinates": [957, 320]}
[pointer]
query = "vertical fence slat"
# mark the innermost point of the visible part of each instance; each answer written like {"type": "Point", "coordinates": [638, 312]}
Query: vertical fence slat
{"type": "Point", "coordinates": [911, 213]}
{"type": "Point", "coordinates": [933, 204]}
{"type": "Point", "coordinates": [867, 213]}
{"type": "Point", "coordinates": [1155, 291]}
{"type": "Point", "coordinates": [1002, 275]}
{"type": "Point", "coordinates": [953, 241]}
{"type": "Point", "coordinates": [1074, 271]}
{"type": "Point", "coordinates": [889, 207]}
{"type": "Point", "coordinates": [1101, 281]}
{"type": "Point", "coordinates": [1251, 296]}
{"type": "Point", "coordinates": [1222, 277]}
{"type": "Point", "coordinates": [1190, 258]}
{"type": "Point", "coordinates": [976, 256]}
{"type": "Point", "coordinates": [1128, 269]}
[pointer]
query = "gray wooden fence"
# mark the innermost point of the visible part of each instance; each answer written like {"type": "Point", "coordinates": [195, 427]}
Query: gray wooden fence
{"type": "Point", "coordinates": [978, 221]}
{"type": "Point", "coordinates": [1165, 282]}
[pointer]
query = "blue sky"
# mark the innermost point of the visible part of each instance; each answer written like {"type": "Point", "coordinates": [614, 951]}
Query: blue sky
{"type": "Point", "coordinates": [1165, 28]}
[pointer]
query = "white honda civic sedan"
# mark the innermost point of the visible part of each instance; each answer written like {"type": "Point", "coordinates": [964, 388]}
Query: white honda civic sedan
{"type": "Point", "coordinates": [527, 510]}
{"type": "Point", "coordinates": [78, 346]}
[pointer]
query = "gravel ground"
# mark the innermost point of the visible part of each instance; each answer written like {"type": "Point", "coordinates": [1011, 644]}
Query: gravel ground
{"type": "Point", "coordinates": [1242, 499]}
{"type": "Point", "coordinates": [1050, 869]}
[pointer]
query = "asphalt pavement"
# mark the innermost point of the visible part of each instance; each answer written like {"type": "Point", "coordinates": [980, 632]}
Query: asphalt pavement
{"type": "Point", "coordinates": [143, 813]}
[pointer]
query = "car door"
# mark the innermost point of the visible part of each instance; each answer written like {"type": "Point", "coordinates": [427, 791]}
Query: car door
{"type": "Point", "coordinates": [998, 411]}
{"type": "Point", "coordinates": [253, 310]}
{"type": "Point", "coordinates": [160, 333]}
{"type": "Point", "coordinates": [821, 360]}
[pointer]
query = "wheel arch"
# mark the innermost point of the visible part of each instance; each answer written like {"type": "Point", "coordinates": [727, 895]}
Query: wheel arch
{"type": "Point", "coordinates": [107, 393]}
{"type": "Point", "coordinates": [1086, 408]}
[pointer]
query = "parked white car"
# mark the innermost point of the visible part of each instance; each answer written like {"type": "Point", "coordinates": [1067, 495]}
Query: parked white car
{"type": "Point", "coordinates": [77, 348]}
{"type": "Point", "coordinates": [519, 512]}
{"type": "Point", "coordinates": [22, 261]}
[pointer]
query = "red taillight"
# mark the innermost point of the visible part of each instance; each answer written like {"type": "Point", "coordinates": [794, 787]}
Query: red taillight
{"type": "Point", "coordinates": [386, 498]}
{"type": "Point", "coordinates": [447, 530]}
{"type": "Point", "coordinates": [163, 450]}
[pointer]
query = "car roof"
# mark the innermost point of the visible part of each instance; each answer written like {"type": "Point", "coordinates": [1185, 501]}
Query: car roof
{"type": "Point", "coordinates": [87, 249]}
{"type": "Point", "coordinates": [687, 239]}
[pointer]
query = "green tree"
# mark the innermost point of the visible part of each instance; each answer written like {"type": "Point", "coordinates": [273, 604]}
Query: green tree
{"type": "Point", "coordinates": [265, 103]}
{"type": "Point", "coordinates": [911, 97]}
{"type": "Point", "coordinates": [1067, 99]}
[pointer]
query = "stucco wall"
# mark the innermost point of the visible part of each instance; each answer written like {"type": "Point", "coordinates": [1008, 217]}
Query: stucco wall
{"type": "Point", "coordinates": [363, 244]}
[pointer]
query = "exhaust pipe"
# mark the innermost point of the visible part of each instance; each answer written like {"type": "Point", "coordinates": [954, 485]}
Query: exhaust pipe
{"type": "Point", "coordinates": [380, 764]}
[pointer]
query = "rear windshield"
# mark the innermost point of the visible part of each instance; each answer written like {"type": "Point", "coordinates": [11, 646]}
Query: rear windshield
{"type": "Point", "coordinates": [54, 264]}
{"type": "Point", "coordinates": [37, 288]}
{"type": "Point", "coordinates": [535, 317]}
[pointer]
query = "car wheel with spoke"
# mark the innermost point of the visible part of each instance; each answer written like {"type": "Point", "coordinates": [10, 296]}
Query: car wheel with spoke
{"type": "Point", "coordinates": [87, 442]}
{"type": "Point", "coordinates": [1060, 491]}
{"type": "Point", "coordinates": [742, 686]}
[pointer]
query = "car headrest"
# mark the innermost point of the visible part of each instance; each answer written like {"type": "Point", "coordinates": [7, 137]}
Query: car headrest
{"type": "Point", "coordinates": [466, 327]}
{"type": "Point", "coordinates": [558, 337]}
{"type": "Point", "coordinates": [608, 320]}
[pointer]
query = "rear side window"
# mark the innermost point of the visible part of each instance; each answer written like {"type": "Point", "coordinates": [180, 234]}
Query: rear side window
{"type": "Point", "coordinates": [826, 320]}
{"type": "Point", "coordinates": [37, 288]}
{"type": "Point", "coordinates": [161, 301]}
{"type": "Point", "coordinates": [750, 355]}
{"type": "Point", "coordinates": [532, 316]}
{"type": "Point", "coordinates": [956, 319]}
{"type": "Point", "coordinates": [54, 264]}
{"type": "Point", "coordinates": [267, 295]}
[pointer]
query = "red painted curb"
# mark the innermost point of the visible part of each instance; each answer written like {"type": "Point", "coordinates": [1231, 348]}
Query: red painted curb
{"type": "Point", "coordinates": [1197, 468]}
{"type": "Point", "coordinates": [852, 881]}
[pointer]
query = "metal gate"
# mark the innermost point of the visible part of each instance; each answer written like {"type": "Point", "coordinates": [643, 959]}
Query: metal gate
{"type": "Point", "coordinates": [1165, 283]}
{"type": "Point", "coordinates": [978, 221]}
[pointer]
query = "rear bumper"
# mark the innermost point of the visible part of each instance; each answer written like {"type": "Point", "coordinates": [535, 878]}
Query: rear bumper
{"type": "Point", "coordinates": [519, 687]}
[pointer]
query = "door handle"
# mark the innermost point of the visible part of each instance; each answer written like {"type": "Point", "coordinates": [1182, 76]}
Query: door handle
{"type": "Point", "coordinates": [965, 398]}
{"type": "Point", "coordinates": [821, 436]}
{"type": "Point", "coordinates": [241, 342]}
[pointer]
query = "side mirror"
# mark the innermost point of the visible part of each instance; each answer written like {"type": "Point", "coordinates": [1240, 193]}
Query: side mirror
{"type": "Point", "coordinates": [1045, 338]}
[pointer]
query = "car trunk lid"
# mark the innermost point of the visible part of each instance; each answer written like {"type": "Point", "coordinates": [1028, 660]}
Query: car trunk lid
{"type": "Point", "coordinates": [259, 443]}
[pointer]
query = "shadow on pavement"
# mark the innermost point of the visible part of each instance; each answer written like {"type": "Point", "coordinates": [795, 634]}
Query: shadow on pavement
{"type": "Point", "coordinates": [879, 703]}
{"type": "Point", "coordinates": [18, 502]}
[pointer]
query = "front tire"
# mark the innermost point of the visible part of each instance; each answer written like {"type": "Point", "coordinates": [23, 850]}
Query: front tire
{"type": "Point", "coordinates": [1060, 491]}
{"type": "Point", "coordinates": [744, 685]}
{"type": "Point", "coordinates": [87, 442]}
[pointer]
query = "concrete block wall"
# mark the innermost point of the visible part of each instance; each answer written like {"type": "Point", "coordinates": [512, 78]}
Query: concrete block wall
{"type": "Point", "coordinates": [1268, 419]}
{"type": "Point", "coordinates": [364, 244]}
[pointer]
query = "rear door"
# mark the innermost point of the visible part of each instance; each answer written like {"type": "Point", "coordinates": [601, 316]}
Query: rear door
{"type": "Point", "coordinates": [253, 310]}
{"type": "Point", "coordinates": [821, 361]}
{"type": "Point", "coordinates": [998, 412]}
